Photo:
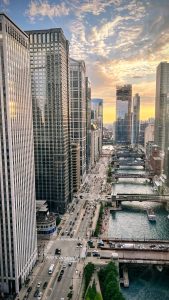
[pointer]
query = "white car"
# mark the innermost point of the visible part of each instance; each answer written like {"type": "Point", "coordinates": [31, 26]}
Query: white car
{"type": "Point", "coordinates": [39, 297]}
{"type": "Point", "coordinates": [39, 284]}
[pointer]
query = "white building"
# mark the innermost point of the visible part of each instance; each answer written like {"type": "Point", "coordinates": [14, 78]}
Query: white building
{"type": "Point", "coordinates": [18, 240]}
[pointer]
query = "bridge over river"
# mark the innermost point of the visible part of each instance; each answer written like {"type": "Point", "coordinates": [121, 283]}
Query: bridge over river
{"type": "Point", "coordinates": [133, 175]}
{"type": "Point", "coordinates": [135, 251]}
{"type": "Point", "coordinates": [140, 197]}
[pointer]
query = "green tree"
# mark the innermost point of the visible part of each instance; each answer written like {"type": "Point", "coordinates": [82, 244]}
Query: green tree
{"type": "Point", "coordinates": [98, 297]}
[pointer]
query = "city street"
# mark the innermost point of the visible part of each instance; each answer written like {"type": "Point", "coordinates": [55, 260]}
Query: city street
{"type": "Point", "coordinates": [72, 240]}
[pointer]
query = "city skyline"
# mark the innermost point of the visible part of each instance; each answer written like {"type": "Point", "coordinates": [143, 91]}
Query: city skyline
{"type": "Point", "coordinates": [122, 42]}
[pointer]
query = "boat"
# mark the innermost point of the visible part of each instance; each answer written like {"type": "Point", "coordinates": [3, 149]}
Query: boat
{"type": "Point", "coordinates": [168, 217]}
{"type": "Point", "coordinates": [151, 215]}
{"type": "Point", "coordinates": [159, 268]}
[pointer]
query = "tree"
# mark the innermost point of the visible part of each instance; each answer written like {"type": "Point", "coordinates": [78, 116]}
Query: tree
{"type": "Point", "coordinates": [98, 297]}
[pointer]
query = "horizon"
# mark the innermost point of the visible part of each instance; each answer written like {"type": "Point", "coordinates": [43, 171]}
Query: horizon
{"type": "Point", "coordinates": [121, 41]}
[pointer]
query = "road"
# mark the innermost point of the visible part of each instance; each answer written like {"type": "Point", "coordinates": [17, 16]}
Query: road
{"type": "Point", "coordinates": [76, 228]}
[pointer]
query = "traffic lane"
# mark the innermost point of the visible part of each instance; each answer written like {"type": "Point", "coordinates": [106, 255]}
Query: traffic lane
{"type": "Point", "coordinates": [41, 277]}
{"type": "Point", "coordinates": [67, 246]}
{"type": "Point", "coordinates": [61, 288]}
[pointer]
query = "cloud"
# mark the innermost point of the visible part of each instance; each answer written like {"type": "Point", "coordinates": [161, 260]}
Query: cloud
{"type": "Point", "coordinates": [6, 2]}
{"type": "Point", "coordinates": [44, 8]}
{"type": "Point", "coordinates": [95, 7]}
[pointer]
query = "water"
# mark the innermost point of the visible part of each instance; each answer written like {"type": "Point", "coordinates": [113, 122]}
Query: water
{"type": "Point", "coordinates": [132, 222]}
{"type": "Point", "coordinates": [147, 283]}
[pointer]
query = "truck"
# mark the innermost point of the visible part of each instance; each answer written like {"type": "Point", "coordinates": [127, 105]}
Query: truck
{"type": "Point", "coordinates": [128, 246]}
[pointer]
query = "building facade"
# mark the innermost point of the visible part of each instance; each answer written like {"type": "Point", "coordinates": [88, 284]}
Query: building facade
{"type": "Point", "coordinates": [49, 56]}
{"type": "Point", "coordinates": [149, 134]}
{"type": "Point", "coordinates": [88, 124]}
{"type": "Point", "coordinates": [161, 104]}
{"type": "Point", "coordinates": [78, 110]}
{"type": "Point", "coordinates": [123, 114]}
{"type": "Point", "coordinates": [97, 120]}
{"type": "Point", "coordinates": [18, 239]}
{"type": "Point", "coordinates": [76, 166]}
{"type": "Point", "coordinates": [136, 119]}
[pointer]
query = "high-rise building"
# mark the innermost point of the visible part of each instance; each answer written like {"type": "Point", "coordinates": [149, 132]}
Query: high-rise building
{"type": "Point", "coordinates": [49, 56]}
{"type": "Point", "coordinates": [88, 123]}
{"type": "Point", "coordinates": [78, 109]}
{"type": "Point", "coordinates": [123, 114]}
{"type": "Point", "coordinates": [18, 239]}
{"type": "Point", "coordinates": [97, 120]}
{"type": "Point", "coordinates": [76, 166]}
{"type": "Point", "coordinates": [161, 105]}
{"type": "Point", "coordinates": [136, 119]}
{"type": "Point", "coordinates": [149, 134]}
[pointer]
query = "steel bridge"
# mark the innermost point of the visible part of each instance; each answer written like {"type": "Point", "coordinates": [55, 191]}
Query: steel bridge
{"type": "Point", "coordinates": [118, 198]}
{"type": "Point", "coordinates": [132, 175]}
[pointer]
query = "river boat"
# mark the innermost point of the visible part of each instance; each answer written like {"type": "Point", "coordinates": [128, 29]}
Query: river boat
{"type": "Point", "coordinates": [151, 215]}
{"type": "Point", "coordinates": [159, 268]}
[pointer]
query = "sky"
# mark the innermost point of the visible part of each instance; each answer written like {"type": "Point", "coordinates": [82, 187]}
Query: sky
{"type": "Point", "coordinates": [121, 41]}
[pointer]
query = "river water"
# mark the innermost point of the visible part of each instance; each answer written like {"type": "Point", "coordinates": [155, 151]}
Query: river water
{"type": "Point", "coordinates": [146, 283]}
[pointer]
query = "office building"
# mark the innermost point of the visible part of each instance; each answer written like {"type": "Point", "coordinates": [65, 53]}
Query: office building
{"type": "Point", "coordinates": [76, 166]}
{"type": "Point", "coordinates": [161, 104]}
{"type": "Point", "coordinates": [18, 239]}
{"type": "Point", "coordinates": [97, 120]}
{"type": "Point", "coordinates": [49, 56]}
{"type": "Point", "coordinates": [123, 114]}
{"type": "Point", "coordinates": [78, 109]}
{"type": "Point", "coordinates": [149, 134]}
{"type": "Point", "coordinates": [88, 124]}
{"type": "Point", "coordinates": [136, 119]}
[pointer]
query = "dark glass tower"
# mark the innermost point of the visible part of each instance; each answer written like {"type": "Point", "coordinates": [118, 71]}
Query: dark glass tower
{"type": "Point", "coordinates": [123, 114]}
{"type": "Point", "coordinates": [49, 54]}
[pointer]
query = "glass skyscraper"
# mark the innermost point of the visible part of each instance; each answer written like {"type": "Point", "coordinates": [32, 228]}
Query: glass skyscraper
{"type": "Point", "coordinates": [49, 56]}
{"type": "Point", "coordinates": [88, 124]}
{"type": "Point", "coordinates": [136, 119]}
{"type": "Point", "coordinates": [78, 109]}
{"type": "Point", "coordinates": [123, 114]}
{"type": "Point", "coordinates": [18, 240]}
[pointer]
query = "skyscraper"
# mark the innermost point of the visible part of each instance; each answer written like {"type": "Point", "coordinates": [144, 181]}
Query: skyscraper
{"type": "Point", "coordinates": [88, 123]}
{"type": "Point", "coordinates": [18, 241]}
{"type": "Point", "coordinates": [161, 132]}
{"type": "Point", "coordinates": [49, 55]}
{"type": "Point", "coordinates": [136, 119]}
{"type": "Point", "coordinates": [123, 114]}
{"type": "Point", "coordinates": [161, 103]}
{"type": "Point", "coordinates": [97, 120]}
{"type": "Point", "coordinates": [78, 109]}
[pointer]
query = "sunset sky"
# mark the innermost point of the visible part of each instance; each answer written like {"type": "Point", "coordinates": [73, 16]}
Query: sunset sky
{"type": "Point", "coordinates": [121, 41]}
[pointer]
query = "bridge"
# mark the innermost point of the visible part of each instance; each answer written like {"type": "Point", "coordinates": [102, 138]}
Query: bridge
{"type": "Point", "coordinates": [118, 198]}
{"type": "Point", "coordinates": [124, 175]}
{"type": "Point", "coordinates": [129, 163]}
{"type": "Point", "coordinates": [130, 154]}
{"type": "Point", "coordinates": [136, 251]}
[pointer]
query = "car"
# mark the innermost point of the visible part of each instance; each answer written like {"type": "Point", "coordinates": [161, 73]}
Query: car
{"type": "Point", "coordinates": [29, 289]}
{"type": "Point", "coordinates": [60, 277]}
{"type": "Point", "coordinates": [71, 235]}
{"type": "Point", "coordinates": [39, 297]}
{"type": "Point", "coordinates": [45, 285]}
{"type": "Point", "coordinates": [152, 246]}
{"type": "Point", "coordinates": [64, 266]}
{"type": "Point", "coordinates": [36, 293]}
{"type": "Point", "coordinates": [61, 272]}
{"type": "Point", "coordinates": [38, 284]}
{"type": "Point", "coordinates": [57, 251]}
{"type": "Point", "coordinates": [70, 263]}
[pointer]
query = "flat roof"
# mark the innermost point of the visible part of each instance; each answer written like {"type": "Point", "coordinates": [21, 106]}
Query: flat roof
{"type": "Point", "coordinates": [4, 15]}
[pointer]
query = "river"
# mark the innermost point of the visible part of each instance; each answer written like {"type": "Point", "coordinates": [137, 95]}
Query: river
{"type": "Point", "coordinates": [132, 222]}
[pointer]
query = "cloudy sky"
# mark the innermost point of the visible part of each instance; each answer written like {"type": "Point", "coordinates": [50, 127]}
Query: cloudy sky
{"type": "Point", "coordinates": [121, 41]}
